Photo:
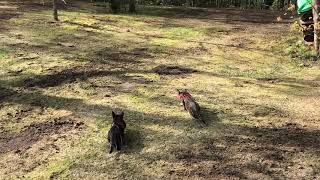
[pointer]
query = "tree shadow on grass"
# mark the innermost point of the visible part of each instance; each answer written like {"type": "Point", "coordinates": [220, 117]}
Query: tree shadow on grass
{"type": "Point", "coordinates": [133, 140]}
{"type": "Point", "coordinates": [244, 152]}
{"type": "Point", "coordinates": [67, 75]}
{"type": "Point", "coordinates": [40, 100]}
{"type": "Point", "coordinates": [109, 54]}
{"type": "Point", "coordinates": [210, 116]}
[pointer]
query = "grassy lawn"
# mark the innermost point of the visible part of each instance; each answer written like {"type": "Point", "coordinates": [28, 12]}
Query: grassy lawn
{"type": "Point", "coordinates": [59, 82]}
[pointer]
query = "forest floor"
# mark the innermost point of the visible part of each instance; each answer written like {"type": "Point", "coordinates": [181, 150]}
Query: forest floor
{"type": "Point", "coordinates": [59, 82]}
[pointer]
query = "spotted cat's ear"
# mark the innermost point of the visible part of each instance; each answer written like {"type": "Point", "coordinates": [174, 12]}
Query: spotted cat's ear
{"type": "Point", "coordinates": [179, 92]}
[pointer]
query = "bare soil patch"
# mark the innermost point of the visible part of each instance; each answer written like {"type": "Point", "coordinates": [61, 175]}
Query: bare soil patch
{"type": "Point", "coordinates": [21, 141]}
{"type": "Point", "coordinates": [108, 55]}
{"type": "Point", "coordinates": [173, 70]}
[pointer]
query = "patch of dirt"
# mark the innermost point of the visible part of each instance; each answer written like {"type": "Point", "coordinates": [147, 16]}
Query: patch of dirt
{"type": "Point", "coordinates": [66, 44]}
{"type": "Point", "coordinates": [94, 26]}
{"type": "Point", "coordinates": [19, 142]}
{"type": "Point", "coordinates": [107, 55]}
{"type": "Point", "coordinates": [172, 70]}
{"type": "Point", "coordinates": [105, 20]}
{"type": "Point", "coordinates": [198, 50]}
{"type": "Point", "coordinates": [30, 56]}
{"type": "Point", "coordinates": [270, 80]}
{"type": "Point", "coordinates": [19, 114]}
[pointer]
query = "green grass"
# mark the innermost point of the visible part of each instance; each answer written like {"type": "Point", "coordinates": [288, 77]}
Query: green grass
{"type": "Point", "coordinates": [247, 83]}
{"type": "Point", "coordinates": [3, 54]}
{"type": "Point", "coordinates": [181, 33]}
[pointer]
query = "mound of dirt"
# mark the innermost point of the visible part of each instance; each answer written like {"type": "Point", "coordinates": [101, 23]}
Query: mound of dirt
{"type": "Point", "coordinates": [25, 139]}
{"type": "Point", "coordinates": [172, 70]}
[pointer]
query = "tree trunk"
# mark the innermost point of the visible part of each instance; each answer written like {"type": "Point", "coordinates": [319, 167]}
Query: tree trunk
{"type": "Point", "coordinates": [132, 6]}
{"type": "Point", "coordinates": [55, 10]}
{"type": "Point", "coordinates": [315, 24]}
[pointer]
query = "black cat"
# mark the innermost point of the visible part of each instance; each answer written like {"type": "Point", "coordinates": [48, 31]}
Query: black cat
{"type": "Point", "coordinates": [116, 132]}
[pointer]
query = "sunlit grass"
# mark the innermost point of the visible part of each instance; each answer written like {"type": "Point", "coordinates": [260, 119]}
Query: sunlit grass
{"type": "Point", "coordinates": [3, 54]}
{"type": "Point", "coordinates": [107, 62]}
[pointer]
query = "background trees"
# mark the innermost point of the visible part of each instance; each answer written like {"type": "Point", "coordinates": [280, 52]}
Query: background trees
{"type": "Point", "coordinates": [115, 5]}
{"type": "Point", "coordinates": [316, 25]}
{"type": "Point", "coordinates": [55, 10]}
{"type": "Point", "coordinates": [257, 4]}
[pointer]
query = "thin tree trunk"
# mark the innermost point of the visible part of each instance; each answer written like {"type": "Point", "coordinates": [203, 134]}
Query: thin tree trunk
{"type": "Point", "coordinates": [55, 10]}
{"type": "Point", "coordinates": [132, 6]}
{"type": "Point", "coordinates": [315, 24]}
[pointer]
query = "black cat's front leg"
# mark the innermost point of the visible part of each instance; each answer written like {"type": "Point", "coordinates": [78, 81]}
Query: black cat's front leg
{"type": "Point", "coordinates": [111, 149]}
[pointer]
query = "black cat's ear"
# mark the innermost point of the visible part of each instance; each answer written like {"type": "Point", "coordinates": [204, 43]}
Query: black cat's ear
{"type": "Point", "coordinates": [113, 114]}
{"type": "Point", "coordinates": [121, 114]}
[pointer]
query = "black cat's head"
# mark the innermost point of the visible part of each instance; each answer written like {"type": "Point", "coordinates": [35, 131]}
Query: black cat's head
{"type": "Point", "coordinates": [118, 119]}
